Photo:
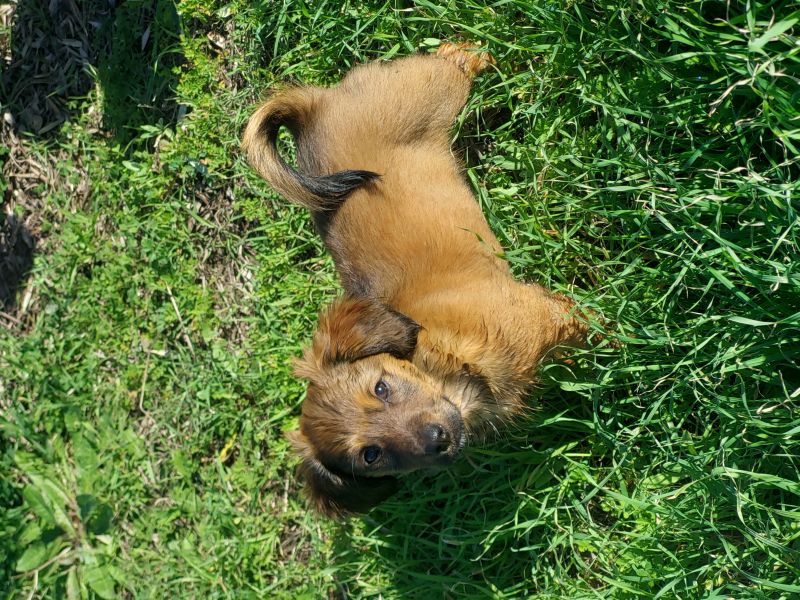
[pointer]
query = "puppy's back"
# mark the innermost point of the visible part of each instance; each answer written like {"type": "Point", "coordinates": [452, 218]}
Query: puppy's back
{"type": "Point", "coordinates": [380, 140]}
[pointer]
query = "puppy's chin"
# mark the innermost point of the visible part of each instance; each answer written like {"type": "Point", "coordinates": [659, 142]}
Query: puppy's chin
{"type": "Point", "coordinates": [470, 394]}
{"type": "Point", "coordinates": [458, 432]}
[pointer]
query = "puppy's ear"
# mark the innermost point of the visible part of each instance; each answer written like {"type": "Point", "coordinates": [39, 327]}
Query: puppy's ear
{"type": "Point", "coordinates": [337, 495]}
{"type": "Point", "coordinates": [354, 328]}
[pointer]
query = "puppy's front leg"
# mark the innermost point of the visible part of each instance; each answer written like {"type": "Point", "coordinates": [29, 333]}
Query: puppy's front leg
{"type": "Point", "coordinates": [555, 320]}
{"type": "Point", "coordinates": [571, 327]}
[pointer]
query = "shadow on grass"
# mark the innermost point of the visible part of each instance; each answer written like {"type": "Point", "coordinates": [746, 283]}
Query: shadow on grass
{"type": "Point", "coordinates": [58, 50]}
{"type": "Point", "coordinates": [16, 258]}
{"type": "Point", "coordinates": [139, 72]}
{"type": "Point", "coordinates": [57, 55]}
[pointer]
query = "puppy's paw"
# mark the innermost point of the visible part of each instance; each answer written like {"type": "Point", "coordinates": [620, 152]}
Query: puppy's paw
{"type": "Point", "coordinates": [466, 56]}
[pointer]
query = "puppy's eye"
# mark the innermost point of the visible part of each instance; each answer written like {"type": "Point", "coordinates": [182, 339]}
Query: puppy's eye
{"type": "Point", "coordinates": [382, 390]}
{"type": "Point", "coordinates": [371, 454]}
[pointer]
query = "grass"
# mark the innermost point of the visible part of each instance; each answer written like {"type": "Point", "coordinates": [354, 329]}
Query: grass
{"type": "Point", "coordinates": [640, 157]}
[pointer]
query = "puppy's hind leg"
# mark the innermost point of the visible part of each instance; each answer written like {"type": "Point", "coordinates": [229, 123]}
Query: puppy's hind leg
{"type": "Point", "coordinates": [466, 56]}
{"type": "Point", "coordinates": [408, 101]}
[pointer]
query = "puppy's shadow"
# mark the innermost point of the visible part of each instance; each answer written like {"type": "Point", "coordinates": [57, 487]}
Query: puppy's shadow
{"type": "Point", "coordinates": [480, 524]}
{"type": "Point", "coordinates": [16, 258]}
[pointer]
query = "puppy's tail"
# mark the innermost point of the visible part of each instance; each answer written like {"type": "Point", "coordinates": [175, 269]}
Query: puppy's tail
{"type": "Point", "coordinates": [294, 109]}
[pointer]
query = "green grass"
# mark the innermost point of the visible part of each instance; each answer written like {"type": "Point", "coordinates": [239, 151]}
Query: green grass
{"type": "Point", "coordinates": [640, 157]}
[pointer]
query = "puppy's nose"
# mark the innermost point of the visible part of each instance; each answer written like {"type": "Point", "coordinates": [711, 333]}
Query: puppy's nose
{"type": "Point", "coordinates": [437, 440]}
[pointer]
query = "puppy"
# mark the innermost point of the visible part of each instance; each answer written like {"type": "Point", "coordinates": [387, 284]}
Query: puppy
{"type": "Point", "coordinates": [433, 342]}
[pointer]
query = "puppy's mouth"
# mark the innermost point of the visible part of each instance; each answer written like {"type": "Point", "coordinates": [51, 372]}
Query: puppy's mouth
{"type": "Point", "coordinates": [456, 431]}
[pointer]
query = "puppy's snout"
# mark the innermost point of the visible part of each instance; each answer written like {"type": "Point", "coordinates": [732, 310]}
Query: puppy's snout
{"type": "Point", "coordinates": [437, 439]}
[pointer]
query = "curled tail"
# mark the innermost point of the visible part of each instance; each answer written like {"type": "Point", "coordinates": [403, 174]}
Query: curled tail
{"type": "Point", "coordinates": [294, 109]}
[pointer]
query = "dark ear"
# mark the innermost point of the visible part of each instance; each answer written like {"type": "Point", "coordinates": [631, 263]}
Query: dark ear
{"type": "Point", "coordinates": [338, 495]}
{"type": "Point", "coordinates": [354, 328]}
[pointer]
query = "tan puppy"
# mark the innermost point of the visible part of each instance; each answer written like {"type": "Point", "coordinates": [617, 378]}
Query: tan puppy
{"type": "Point", "coordinates": [433, 342]}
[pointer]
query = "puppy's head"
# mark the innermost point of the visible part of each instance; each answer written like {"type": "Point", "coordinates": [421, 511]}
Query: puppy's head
{"type": "Point", "coordinates": [369, 413]}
